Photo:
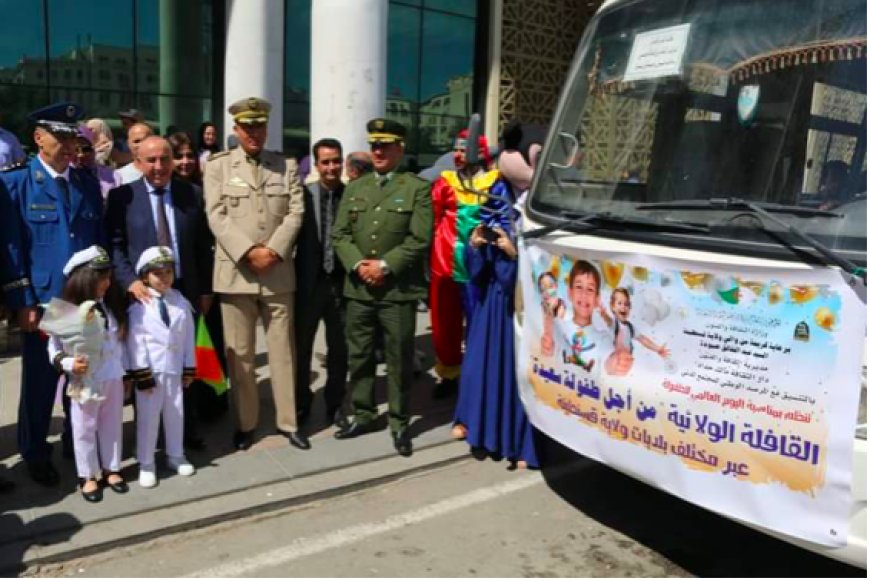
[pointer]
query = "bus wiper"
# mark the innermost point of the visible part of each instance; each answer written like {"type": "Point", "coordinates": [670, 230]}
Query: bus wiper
{"type": "Point", "coordinates": [736, 204]}
{"type": "Point", "coordinates": [593, 220]}
{"type": "Point", "coordinates": [762, 210]}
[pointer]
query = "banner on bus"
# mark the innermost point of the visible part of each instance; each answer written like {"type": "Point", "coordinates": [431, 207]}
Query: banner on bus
{"type": "Point", "coordinates": [735, 388]}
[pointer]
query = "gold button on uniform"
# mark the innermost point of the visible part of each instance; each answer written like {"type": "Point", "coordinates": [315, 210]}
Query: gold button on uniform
{"type": "Point", "coordinates": [378, 209]}
{"type": "Point", "coordinates": [374, 236]}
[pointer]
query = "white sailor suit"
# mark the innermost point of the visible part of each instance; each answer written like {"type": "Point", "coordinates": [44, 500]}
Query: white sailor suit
{"type": "Point", "coordinates": [160, 357]}
{"type": "Point", "coordinates": [97, 424]}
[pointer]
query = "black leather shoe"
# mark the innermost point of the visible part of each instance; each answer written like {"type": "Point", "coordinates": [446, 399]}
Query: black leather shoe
{"type": "Point", "coordinates": [445, 388]}
{"type": "Point", "coordinates": [336, 416]}
{"type": "Point", "coordinates": [243, 440]}
{"type": "Point", "coordinates": [43, 473]}
{"type": "Point", "coordinates": [299, 440]}
{"type": "Point", "coordinates": [194, 443]}
{"type": "Point", "coordinates": [119, 486]}
{"type": "Point", "coordinates": [93, 496]}
{"type": "Point", "coordinates": [352, 430]}
{"type": "Point", "coordinates": [402, 442]}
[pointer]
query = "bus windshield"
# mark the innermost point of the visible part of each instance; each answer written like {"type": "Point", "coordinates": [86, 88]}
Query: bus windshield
{"type": "Point", "coordinates": [670, 105]}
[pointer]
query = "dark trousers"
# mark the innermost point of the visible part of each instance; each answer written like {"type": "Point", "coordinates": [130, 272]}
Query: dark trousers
{"type": "Point", "coordinates": [200, 400]}
{"type": "Point", "coordinates": [325, 301]}
{"type": "Point", "coordinates": [38, 389]}
{"type": "Point", "coordinates": [396, 319]}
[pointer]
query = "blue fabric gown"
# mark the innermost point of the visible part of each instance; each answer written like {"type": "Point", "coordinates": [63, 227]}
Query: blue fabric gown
{"type": "Point", "coordinates": [489, 403]}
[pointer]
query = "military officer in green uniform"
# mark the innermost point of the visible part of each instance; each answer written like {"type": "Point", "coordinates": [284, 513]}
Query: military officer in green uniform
{"type": "Point", "coordinates": [382, 235]}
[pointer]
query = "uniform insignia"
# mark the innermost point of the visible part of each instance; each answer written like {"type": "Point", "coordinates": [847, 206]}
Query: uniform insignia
{"type": "Point", "coordinates": [237, 181]}
{"type": "Point", "coordinates": [40, 177]}
{"type": "Point", "coordinates": [252, 103]}
{"type": "Point", "coordinates": [43, 206]}
{"type": "Point", "coordinates": [218, 155]}
{"type": "Point", "coordinates": [379, 124]}
{"type": "Point", "coordinates": [71, 111]}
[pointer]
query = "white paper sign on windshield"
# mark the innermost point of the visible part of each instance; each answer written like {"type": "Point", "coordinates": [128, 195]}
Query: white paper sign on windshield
{"type": "Point", "coordinates": [657, 53]}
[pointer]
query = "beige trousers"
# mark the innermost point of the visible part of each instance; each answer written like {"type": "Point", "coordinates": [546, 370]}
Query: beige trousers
{"type": "Point", "coordinates": [240, 312]}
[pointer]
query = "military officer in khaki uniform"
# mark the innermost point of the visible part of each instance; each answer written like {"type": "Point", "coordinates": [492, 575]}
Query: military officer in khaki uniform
{"type": "Point", "coordinates": [253, 199]}
{"type": "Point", "coordinates": [382, 235]}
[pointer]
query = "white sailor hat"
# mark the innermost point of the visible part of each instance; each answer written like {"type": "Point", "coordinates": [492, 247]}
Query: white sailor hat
{"type": "Point", "coordinates": [155, 257]}
{"type": "Point", "coordinates": [94, 257]}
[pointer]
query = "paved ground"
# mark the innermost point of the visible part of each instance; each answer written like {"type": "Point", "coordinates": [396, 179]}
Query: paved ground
{"type": "Point", "coordinates": [35, 520]}
{"type": "Point", "coordinates": [355, 508]}
{"type": "Point", "coordinates": [472, 519]}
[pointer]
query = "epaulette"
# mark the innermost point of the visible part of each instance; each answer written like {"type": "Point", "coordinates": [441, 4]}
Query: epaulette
{"type": "Point", "coordinates": [13, 166]}
{"type": "Point", "coordinates": [218, 155]}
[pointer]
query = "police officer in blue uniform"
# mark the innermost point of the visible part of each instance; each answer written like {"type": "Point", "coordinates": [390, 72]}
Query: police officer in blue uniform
{"type": "Point", "coordinates": [59, 212]}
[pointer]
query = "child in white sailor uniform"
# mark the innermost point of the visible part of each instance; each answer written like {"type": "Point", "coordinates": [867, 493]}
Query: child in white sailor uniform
{"type": "Point", "coordinates": [160, 344]}
{"type": "Point", "coordinates": [85, 331]}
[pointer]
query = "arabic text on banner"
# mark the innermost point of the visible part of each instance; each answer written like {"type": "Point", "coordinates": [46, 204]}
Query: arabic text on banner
{"type": "Point", "coordinates": [734, 389]}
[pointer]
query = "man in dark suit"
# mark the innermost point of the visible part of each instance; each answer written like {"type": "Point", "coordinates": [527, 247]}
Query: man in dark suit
{"type": "Point", "coordinates": [158, 210]}
{"type": "Point", "coordinates": [319, 286]}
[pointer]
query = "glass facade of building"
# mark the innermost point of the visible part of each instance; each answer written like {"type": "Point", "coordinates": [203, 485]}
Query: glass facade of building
{"type": "Point", "coordinates": [163, 58]}
{"type": "Point", "coordinates": [430, 70]}
{"type": "Point", "coordinates": [153, 55]}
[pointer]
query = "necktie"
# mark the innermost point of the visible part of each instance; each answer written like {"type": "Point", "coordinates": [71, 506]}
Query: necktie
{"type": "Point", "coordinates": [63, 186]}
{"type": "Point", "coordinates": [383, 179]}
{"type": "Point", "coordinates": [326, 229]}
{"type": "Point", "coordinates": [164, 312]}
{"type": "Point", "coordinates": [164, 236]}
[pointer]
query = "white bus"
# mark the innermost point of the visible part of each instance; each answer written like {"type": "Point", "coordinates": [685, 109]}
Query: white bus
{"type": "Point", "coordinates": [727, 133]}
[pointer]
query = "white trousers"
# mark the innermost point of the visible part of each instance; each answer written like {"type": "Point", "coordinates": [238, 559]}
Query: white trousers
{"type": "Point", "coordinates": [164, 399]}
{"type": "Point", "coordinates": [97, 427]}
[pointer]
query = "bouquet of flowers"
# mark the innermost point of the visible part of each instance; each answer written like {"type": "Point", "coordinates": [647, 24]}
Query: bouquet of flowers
{"type": "Point", "coordinates": [80, 330]}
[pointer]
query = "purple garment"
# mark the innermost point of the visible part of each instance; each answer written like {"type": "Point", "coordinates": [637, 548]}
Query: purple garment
{"type": "Point", "coordinates": [107, 177]}
{"type": "Point", "coordinates": [304, 168]}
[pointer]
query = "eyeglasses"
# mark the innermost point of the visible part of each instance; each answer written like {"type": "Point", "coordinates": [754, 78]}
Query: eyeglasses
{"type": "Point", "coordinates": [184, 156]}
{"type": "Point", "coordinates": [85, 149]}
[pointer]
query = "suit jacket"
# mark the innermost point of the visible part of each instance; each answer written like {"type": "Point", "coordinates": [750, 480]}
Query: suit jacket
{"type": "Point", "coordinates": [394, 224]}
{"type": "Point", "coordinates": [244, 212]}
{"type": "Point", "coordinates": [131, 228]}
{"type": "Point", "coordinates": [154, 347]}
{"type": "Point", "coordinates": [309, 247]}
{"type": "Point", "coordinates": [43, 233]}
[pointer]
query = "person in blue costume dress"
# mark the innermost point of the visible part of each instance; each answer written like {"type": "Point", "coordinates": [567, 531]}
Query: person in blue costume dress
{"type": "Point", "coordinates": [489, 407]}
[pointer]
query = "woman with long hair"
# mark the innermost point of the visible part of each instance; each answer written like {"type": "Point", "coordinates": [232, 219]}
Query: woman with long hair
{"type": "Point", "coordinates": [208, 143]}
{"type": "Point", "coordinates": [187, 166]}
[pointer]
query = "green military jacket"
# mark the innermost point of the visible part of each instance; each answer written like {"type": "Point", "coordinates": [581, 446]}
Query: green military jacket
{"type": "Point", "coordinates": [394, 224]}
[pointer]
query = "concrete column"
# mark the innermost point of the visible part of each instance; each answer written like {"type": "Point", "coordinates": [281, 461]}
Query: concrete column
{"type": "Point", "coordinates": [493, 83]}
{"type": "Point", "coordinates": [348, 68]}
{"type": "Point", "coordinates": [254, 64]}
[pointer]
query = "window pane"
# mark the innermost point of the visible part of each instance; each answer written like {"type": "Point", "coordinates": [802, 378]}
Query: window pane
{"type": "Point", "coordinates": [22, 63]}
{"type": "Point", "coordinates": [403, 52]}
{"type": "Point", "coordinates": [446, 79]}
{"type": "Point", "coordinates": [465, 7]}
{"type": "Point", "coordinates": [90, 42]}
{"type": "Point", "coordinates": [297, 77]}
{"type": "Point", "coordinates": [173, 58]}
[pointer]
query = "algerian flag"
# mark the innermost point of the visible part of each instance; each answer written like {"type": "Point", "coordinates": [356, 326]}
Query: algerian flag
{"type": "Point", "coordinates": [208, 366]}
